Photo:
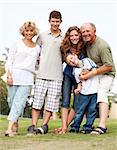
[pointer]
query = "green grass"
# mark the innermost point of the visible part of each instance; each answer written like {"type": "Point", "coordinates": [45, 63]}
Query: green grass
{"type": "Point", "coordinates": [52, 141]}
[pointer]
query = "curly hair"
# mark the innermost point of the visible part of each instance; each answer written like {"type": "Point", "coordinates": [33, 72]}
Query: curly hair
{"type": "Point", "coordinates": [28, 24]}
{"type": "Point", "coordinates": [66, 45]}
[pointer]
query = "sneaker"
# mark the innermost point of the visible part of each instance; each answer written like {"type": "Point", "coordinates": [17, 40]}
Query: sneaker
{"type": "Point", "coordinates": [85, 131]}
{"type": "Point", "coordinates": [42, 130]}
{"type": "Point", "coordinates": [73, 131]}
{"type": "Point", "coordinates": [31, 130]}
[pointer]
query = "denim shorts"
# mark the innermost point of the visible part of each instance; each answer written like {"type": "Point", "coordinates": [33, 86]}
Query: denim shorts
{"type": "Point", "coordinates": [69, 84]}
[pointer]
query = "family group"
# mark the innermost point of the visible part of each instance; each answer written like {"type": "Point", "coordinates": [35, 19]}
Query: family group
{"type": "Point", "coordinates": [78, 62]}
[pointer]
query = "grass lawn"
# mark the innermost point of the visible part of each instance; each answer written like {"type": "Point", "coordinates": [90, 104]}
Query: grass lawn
{"type": "Point", "coordinates": [52, 141]}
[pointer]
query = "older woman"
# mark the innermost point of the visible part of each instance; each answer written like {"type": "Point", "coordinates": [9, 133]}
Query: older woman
{"type": "Point", "coordinates": [20, 73]}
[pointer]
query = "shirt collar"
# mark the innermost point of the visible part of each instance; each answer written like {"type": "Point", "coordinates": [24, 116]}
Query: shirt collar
{"type": "Point", "coordinates": [60, 34]}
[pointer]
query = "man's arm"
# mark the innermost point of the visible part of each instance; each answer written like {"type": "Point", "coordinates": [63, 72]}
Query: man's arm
{"type": "Point", "coordinates": [101, 70]}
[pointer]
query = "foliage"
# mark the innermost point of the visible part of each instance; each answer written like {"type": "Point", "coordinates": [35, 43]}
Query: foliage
{"type": "Point", "coordinates": [3, 93]}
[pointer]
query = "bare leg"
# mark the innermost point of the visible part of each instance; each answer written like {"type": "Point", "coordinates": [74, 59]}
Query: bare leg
{"type": "Point", "coordinates": [103, 113]}
{"type": "Point", "coordinates": [64, 118]}
{"type": "Point", "coordinates": [47, 116]}
{"type": "Point", "coordinates": [63, 130]}
{"type": "Point", "coordinates": [10, 125]}
{"type": "Point", "coordinates": [35, 116]}
{"type": "Point", "coordinates": [70, 116]}
{"type": "Point", "coordinates": [9, 131]}
{"type": "Point", "coordinates": [15, 127]}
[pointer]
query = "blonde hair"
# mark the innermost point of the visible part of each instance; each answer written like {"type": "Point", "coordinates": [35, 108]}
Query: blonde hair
{"type": "Point", "coordinates": [29, 24]}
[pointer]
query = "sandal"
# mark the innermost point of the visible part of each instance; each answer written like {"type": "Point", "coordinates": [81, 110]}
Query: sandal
{"type": "Point", "coordinates": [10, 134]}
{"type": "Point", "coordinates": [98, 131]}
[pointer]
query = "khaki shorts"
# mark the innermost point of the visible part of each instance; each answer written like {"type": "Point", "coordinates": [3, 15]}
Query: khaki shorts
{"type": "Point", "coordinates": [47, 93]}
{"type": "Point", "coordinates": [105, 83]}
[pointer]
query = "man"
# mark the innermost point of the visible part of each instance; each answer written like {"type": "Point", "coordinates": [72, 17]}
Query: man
{"type": "Point", "coordinates": [99, 51]}
{"type": "Point", "coordinates": [50, 76]}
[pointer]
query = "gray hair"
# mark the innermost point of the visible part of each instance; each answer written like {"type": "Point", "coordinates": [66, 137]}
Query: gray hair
{"type": "Point", "coordinates": [91, 24]}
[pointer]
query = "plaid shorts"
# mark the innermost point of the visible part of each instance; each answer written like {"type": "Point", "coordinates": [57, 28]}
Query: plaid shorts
{"type": "Point", "coordinates": [48, 91]}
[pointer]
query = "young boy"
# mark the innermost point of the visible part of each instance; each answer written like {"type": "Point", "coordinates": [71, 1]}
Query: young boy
{"type": "Point", "coordinates": [87, 98]}
{"type": "Point", "coordinates": [50, 76]}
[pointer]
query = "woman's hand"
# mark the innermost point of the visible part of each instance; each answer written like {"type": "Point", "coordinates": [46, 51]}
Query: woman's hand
{"type": "Point", "coordinates": [9, 79]}
{"type": "Point", "coordinates": [69, 60]}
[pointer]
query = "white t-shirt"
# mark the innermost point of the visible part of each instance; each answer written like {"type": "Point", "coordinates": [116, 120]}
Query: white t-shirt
{"type": "Point", "coordinates": [89, 86]}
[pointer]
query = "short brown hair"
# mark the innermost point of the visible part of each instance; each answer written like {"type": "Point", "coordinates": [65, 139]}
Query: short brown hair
{"type": "Point", "coordinates": [55, 14]}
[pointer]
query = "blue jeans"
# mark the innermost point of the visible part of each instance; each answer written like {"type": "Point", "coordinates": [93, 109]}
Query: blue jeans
{"type": "Point", "coordinates": [68, 83]}
{"type": "Point", "coordinates": [17, 96]}
{"type": "Point", "coordinates": [86, 104]}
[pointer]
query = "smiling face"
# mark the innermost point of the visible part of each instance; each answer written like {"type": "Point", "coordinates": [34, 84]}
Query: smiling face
{"type": "Point", "coordinates": [28, 30]}
{"type": "Point", "coordinates": [54, 23]}
{"type": "Point", "coordinates": [88, 33]}
{"type": "Point", "coordinates": [29, 33]}
{"type": "Point", "coordinates": [74, 37]}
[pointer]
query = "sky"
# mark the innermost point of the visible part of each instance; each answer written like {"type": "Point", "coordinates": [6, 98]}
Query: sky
{"type": "Point", "coordinates": [103, 13]}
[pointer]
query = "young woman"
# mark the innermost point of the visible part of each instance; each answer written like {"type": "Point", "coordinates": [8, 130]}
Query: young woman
{"type": "Point", "coordinates": [72, 44]}
{"type": "Point", "coordinates": [20, 74]}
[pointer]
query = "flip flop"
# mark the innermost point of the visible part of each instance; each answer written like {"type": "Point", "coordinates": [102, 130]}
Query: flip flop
{"type": "Point", "coordinates": [10, 134]}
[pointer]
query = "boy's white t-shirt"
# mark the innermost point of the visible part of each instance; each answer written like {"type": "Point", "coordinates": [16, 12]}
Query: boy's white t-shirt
{"type": "Point", "coordinates": [89, 86]}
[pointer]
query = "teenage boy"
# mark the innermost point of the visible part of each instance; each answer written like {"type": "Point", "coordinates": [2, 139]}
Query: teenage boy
{"type": "Point", "coordinates": [50, 76]}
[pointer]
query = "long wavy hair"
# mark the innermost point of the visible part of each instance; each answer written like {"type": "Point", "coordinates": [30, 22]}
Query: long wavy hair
{"type": "Point", "coordinates": [66, 45]}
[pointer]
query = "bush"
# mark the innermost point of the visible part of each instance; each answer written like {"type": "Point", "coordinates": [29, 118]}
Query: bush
{"type": "Point", "coordinates": [3, 99]}
{"type": "Point", "coordinates": [3, 93]}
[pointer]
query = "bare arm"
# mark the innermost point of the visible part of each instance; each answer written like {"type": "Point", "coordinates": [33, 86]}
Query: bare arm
{"type": "Point", "coordinates": [104, 69]}
{"type": "Point", "coordinates": [101, 70]}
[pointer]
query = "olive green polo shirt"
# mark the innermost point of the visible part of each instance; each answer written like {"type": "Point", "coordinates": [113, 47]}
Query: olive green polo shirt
{"type": "Point", "coordinates": [100, 53]}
